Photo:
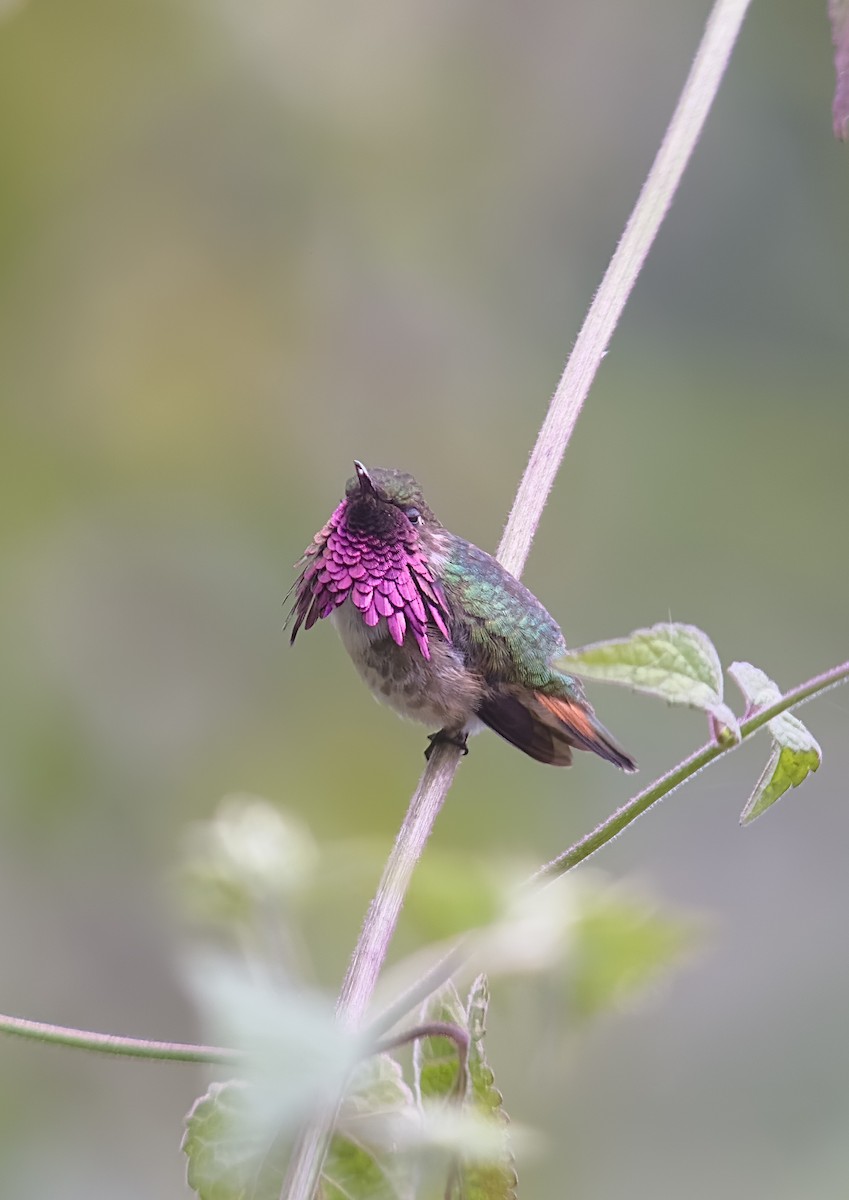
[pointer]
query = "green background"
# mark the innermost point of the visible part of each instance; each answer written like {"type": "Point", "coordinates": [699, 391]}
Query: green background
{"type": "Point", "coordinates": [245, 241]}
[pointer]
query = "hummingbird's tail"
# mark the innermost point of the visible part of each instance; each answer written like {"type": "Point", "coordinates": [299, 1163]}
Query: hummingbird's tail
{"type": "Point", "coordinates": [548, 727]}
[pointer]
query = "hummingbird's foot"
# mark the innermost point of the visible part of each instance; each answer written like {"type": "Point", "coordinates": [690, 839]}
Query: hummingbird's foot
{"type": "Point", "coordinates": [458, 739]}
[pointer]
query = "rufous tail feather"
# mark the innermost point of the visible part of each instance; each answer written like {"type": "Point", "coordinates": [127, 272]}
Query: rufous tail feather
{"type": "Point", "coordinates": [548, 727]}
{"type": "Point", "coordinates": [584, 730]}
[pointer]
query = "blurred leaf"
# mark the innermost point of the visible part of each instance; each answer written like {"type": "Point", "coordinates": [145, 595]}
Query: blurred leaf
{"type": "Point", "coordinates": [248, 856]}
{"type": "Point", "coordinates": [611, 942]}
{"type": "Point", "coordinates": [838, 11]}
{"type": "Point", "coordinates": [496, 1180]}
{"type": "Point", "coordinates": [533, 935]}
{"type": "Point", "coordinates": [362, 1162]}
{"type": "Point", "coordinates": [795, 752]}
{"type": "Point", "coordinates": [623, 943]}
{"type": "Point", "coordinates": [349, 863]}
{"type": "Point", "coordinates": [232, 1156]}
{"type": "Point", "coordinates": [228, 1157]}
{"type": "Point", "coordinates": [436, 1060]}
{"type": "Point", "coordinates": [677, 663]}
{"type": "Point", "coordinates": [297, 1055]}
{"type": "Point", "coordinates": [451, 893]}
{"type": "Point", "coordinates": [453, 1133]}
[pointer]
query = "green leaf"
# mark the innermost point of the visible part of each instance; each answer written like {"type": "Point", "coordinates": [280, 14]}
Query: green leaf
{"type": "Point", "coordinates": [785, 769]}
{"type": "Point", "coordinates": [363, 1162]}
{"type": "Point", "coordinates": [483, 1090]}
{"type": "Point", "coordinates": [472, 1130]}
{"type": "Point", "coordinates": [529, 934]}
{"type": "Point", "coordinates": [233, 1157]}
{"type": "Point", "coordinates": [795, 752]}
{"type": "Point", "coordinates": [678, 663]}
{"type": "Point", "coordinates": [229, 1156]}
{"type": "Point", "coordinates": [623, 943]}
{"type": "Point", "coordinates": [457, 1136]}
{"type": "Point", "coordinates": [495, 1180]}
{"type": "Point", "coordinates": [436, 1062]}
{"type": "Point", "coordinates": [759, 691]}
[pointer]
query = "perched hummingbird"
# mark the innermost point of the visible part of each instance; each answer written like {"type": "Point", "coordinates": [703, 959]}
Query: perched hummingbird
{"type": "Point", "coordinates": [438, 629]}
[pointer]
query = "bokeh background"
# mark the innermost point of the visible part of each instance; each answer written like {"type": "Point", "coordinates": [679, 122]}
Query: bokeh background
{"type": "Point", "coordinates": [245, 241]}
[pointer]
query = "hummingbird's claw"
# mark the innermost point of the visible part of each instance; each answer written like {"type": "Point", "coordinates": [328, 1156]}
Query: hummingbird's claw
{"type": "Point", "coordinates": [453, 739]}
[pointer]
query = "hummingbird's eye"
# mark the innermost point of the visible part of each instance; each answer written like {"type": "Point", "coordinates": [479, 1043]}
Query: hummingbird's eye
{"type": "Point", "coordinates": [413, 515]}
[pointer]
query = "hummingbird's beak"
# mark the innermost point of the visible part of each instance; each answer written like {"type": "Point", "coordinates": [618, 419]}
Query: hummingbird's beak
{"type": "Point", "coordinates": [366, 485]}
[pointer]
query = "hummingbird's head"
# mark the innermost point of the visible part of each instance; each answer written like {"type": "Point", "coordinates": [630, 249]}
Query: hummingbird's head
{"type": "Point", "coordinates": [387, 504]}
{"type": "Point", "coordinates": [375, 553]}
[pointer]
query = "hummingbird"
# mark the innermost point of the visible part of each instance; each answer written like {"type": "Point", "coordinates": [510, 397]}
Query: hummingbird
{"type": "Point", "coordinates": [438, 629]}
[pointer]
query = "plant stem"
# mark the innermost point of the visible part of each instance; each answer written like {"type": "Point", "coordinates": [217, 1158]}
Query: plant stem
{"type": "Point", "coordinates": [425, 985]}
{"type": "Point", "coordinates": [460, 1038]}
{"type": "Point", "coordinates": [373, 943]}
{"type": "Point", "coordinates": [384, 910]}
{"type": "Point", "coordinates": [652, 204]}
{"type": "Point", "coordinates": [107, 1043]}
{"type": "Point", "coordinates": [590, 347]}
{"type": "Point", "coordinates": [673, 779]}
{"type": "Point", "coordinates": [104, 1043]}
{"type": "Point", "coordinates": [462, 950]}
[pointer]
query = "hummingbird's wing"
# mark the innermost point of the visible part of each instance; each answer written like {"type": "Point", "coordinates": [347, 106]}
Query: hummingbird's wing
{"type": "Point", "coordinates": [507, 633]}
{"type": "Point", "coordinates": [509, 637]}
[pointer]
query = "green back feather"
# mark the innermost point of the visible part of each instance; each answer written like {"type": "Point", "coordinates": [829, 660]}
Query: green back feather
{"type": "Point", "coordinates": [510, 635]}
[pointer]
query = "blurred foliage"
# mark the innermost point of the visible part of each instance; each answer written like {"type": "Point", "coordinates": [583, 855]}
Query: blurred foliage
{"type": "Point", "coordinates": [242, 244]}
{"type": "Point", "coordinates": [445, 1132]}
{"type": "Point", "coordinates": [623, 944]}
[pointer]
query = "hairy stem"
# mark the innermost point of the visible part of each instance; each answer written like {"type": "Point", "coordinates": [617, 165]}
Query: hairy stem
{"type": "Point", "coordinates": [699, 91]}
{"type": "Point", "coordinates": [383, 912]}
{"type": "Point", "coordinates": [461, 951]}
{"type": "Point", "coordinates": [685, 770]}
{"type": "Point", "coordinates": [679, 141]}
{"type": "Point", "coordinates": [590, 347]}
{"type": "Point", "coordinates": [107, 1043]}
{"type": "Point", "coordinates": [453, 960]}
{"type": "Point", "coordinates": [373, 943]}
{"type": "Point", "coordinates": [460, 1038]}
